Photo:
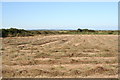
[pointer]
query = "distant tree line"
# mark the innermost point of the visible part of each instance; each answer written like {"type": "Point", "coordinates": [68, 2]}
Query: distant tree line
{"type": "Point", "coordinates": [85, 30]}
{"type": "Point", "coordinates": [14, 32]}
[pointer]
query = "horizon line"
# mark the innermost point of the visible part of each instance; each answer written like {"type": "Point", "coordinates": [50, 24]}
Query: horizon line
{"type": "Point", "coordinates": [63, 29]}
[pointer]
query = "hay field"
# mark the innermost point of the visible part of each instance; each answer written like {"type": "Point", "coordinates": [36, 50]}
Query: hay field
{"type": "Point", "coordinates": [60, 56]}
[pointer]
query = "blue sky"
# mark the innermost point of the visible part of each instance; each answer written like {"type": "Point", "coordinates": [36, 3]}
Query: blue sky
{"type": "Point", "coordinates": [60, 15]}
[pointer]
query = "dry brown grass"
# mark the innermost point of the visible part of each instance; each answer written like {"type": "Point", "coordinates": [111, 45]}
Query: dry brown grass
{"type": "Point", "coordinates": [60, 56]}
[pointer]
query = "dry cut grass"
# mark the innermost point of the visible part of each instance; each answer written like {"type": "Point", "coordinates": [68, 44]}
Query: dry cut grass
{"type": "Point", "coordinates": [61, 56]}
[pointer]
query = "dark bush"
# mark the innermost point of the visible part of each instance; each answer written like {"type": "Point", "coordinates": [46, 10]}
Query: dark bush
{"type": "Point", "coordinates": [85, 30]}
{"type": "Point", "coordinates": [80, 30]}
{"type": "Point", "coordinates": [91, 30]}
{"type": "Point", "coordinates": [111, 32]}
{"type": "Point", "coordinates": [12, 32]}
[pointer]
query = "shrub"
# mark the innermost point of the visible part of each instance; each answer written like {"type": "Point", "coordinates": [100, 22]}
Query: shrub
{"type": "Point", "coordinates": [110, 32]}
{"type": "Point", "coordinates": [14, 32]}
{"type": "Point", "coordinates": [80, 30]}
{"type": "Point", "coordinates": [86, 30]}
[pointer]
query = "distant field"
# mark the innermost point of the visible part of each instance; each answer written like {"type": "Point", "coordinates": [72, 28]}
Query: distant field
{"type": "Point", "coordinates": [65, 55]}
{"type": "Point", "coordinates": [13, 32]}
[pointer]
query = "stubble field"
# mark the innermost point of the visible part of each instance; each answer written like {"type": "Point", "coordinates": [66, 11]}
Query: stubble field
{"type": "Point", "coordinates": [60, 56]}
